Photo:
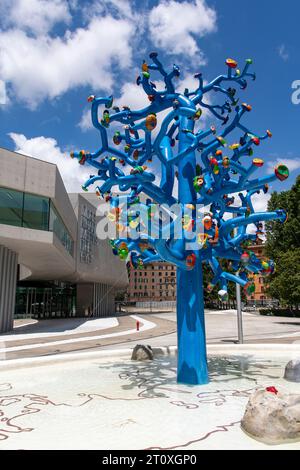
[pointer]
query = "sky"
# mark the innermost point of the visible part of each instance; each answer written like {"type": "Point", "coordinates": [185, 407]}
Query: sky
{"type": "Point", "coordinates": [55, 53]}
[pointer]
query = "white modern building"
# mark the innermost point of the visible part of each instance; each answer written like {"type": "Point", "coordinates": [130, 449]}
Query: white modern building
{"type": "Point", "coordinates": [51, 262]}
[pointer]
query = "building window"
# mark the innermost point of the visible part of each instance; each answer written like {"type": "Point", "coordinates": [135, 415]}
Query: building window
{"type": "Point", "coordinates": [88, 237]}
{"type": "Point", "coordinates": [11, 207]}
{"type": "Point", "coordinates": [36, 212]}
{"type": "Point", "coordinates": [57, 226]}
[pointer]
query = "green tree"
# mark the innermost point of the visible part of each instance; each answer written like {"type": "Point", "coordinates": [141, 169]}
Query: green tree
{"type": "Point", "coordinates": [285, 284]}
{"type": "Point", "coordinates": [283, 246]}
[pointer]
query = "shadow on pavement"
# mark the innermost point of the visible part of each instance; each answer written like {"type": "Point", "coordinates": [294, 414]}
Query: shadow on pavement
{"type": "Point", "coordinates": [157, 378]}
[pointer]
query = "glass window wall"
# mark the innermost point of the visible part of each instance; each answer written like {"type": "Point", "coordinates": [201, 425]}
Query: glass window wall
{"type": "Point", "coordinates": [35, 212]}
{"type": "Point", "coordinates": [11, 207]}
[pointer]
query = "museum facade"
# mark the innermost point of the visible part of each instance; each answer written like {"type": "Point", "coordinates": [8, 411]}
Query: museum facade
{"type": "Point", "coordinates": [51, 262]}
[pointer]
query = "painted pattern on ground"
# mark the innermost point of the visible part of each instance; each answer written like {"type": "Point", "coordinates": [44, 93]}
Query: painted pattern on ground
{"type": "Point", "coordinates": [128, 405]}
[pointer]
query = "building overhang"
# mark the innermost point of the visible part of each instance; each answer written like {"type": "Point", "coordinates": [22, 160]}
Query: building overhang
{"type": "Point", "coordinates": [39, 251]}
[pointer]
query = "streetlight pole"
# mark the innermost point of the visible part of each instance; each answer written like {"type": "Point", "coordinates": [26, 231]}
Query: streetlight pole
{"type": "Point", "coordinates": [239, 306]}
{"type": "Point", "coordinates": [239, 313]}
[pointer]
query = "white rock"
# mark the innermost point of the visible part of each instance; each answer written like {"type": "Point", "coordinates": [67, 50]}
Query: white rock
{"type": "Point", "coordinates": [272, 418]}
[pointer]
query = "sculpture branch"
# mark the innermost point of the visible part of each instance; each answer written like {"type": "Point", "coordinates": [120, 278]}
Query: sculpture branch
{"type": "Point", "coordinates": [197, 167]}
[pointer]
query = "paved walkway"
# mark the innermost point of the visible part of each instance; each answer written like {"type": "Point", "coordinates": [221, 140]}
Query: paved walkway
{"type": "Point", "coordinates": [48, 337]}
{"type": "Point", "coordinates": [40, 343]}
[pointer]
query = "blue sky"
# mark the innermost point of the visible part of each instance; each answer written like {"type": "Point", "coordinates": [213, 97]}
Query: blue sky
{"type": "Point", "coordinates": [54, 53]}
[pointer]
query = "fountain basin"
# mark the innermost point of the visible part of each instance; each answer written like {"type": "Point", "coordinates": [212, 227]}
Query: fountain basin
{"type": "Point", "coordinates": [103, 400]}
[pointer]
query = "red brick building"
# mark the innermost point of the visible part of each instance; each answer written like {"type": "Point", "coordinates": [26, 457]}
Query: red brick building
{"type": "Point", "coordinates": [260, 281]}
{"type": "Point", "coordinates": [155, 282]}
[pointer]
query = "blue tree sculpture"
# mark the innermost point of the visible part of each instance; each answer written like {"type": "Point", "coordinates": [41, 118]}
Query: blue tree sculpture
{"type": "Point", "coordinates": [206, 176]}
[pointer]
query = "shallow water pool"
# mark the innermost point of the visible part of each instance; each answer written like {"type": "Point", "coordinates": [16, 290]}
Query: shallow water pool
{"type": "Point", "coordinates": [115, 403]}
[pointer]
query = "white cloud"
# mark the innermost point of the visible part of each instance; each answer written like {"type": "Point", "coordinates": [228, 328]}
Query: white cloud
{"type": "Point", "coordinates": [47, 149]}
{"type": "Point", "coordinates": [46, 67]}
{"type": "Point", "coordinates": [175, 25]}
{"type": "Point", "coordinates": [292, 164]}
{"type": "Point", "coordinates": [37, 16]}
{"type": "Point", "coordinates": [133, 96]}
{"type": "Point", "coordinates": [283, 53]}
{"type": "Point", "coordinates": [85, 122]}
{"type": "Point", "coordinates": [36, 65]}
{"type": "Point", "coordinates": [3, 95]}
{"type": "Point", "coordinates": [260, 201]}
{"type": "Point", "coordinates": [189, 82]}
{"type": "Point", "coordinates": [123, 7]}
{"type": "Point", "coordinates": [118, 8]}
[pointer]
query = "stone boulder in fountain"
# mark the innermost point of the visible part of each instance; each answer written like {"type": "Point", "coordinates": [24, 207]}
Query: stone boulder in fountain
{"type": "Point", "coordinates": [142, 352]}
{"type": "Point", "coordinates": [292, 371]}
{"type": "Point", "coordinates": [272, 417]}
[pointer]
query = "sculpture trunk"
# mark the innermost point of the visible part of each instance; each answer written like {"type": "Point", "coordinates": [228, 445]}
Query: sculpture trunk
{"type": "Point", "coordinates": [192, 363]}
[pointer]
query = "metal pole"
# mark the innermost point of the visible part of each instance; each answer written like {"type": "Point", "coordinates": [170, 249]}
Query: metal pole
{"type": "Point", "coordinates": [239, 307]}
{"type": "Point", "coordinates": [239, 313]}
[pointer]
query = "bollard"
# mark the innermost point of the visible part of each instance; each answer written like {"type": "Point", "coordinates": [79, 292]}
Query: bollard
{"type": "Point", "coordinates": [137, 325]}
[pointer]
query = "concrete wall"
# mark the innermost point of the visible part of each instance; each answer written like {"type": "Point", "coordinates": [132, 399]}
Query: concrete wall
{"type": "Point", "coordinates": [95, 300]}
{"type": "Point", "coordinates": [63, 204]}
{"type": "Point", "coordinates": [8, 279]}
{"type": "Point", "coordinates": [104, 300]}
{"type": "Point", "coordinates": [104, 267]}
{"type": "Point", "coordinates": [26, 174]}
{"type": "Point", "coordinates": [84, 299]}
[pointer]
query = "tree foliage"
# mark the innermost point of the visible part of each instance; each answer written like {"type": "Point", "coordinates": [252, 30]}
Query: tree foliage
{"type": "Point", "coordinates": [283, 245]}
{"type": "Point", "coordinates": [283, 237]}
